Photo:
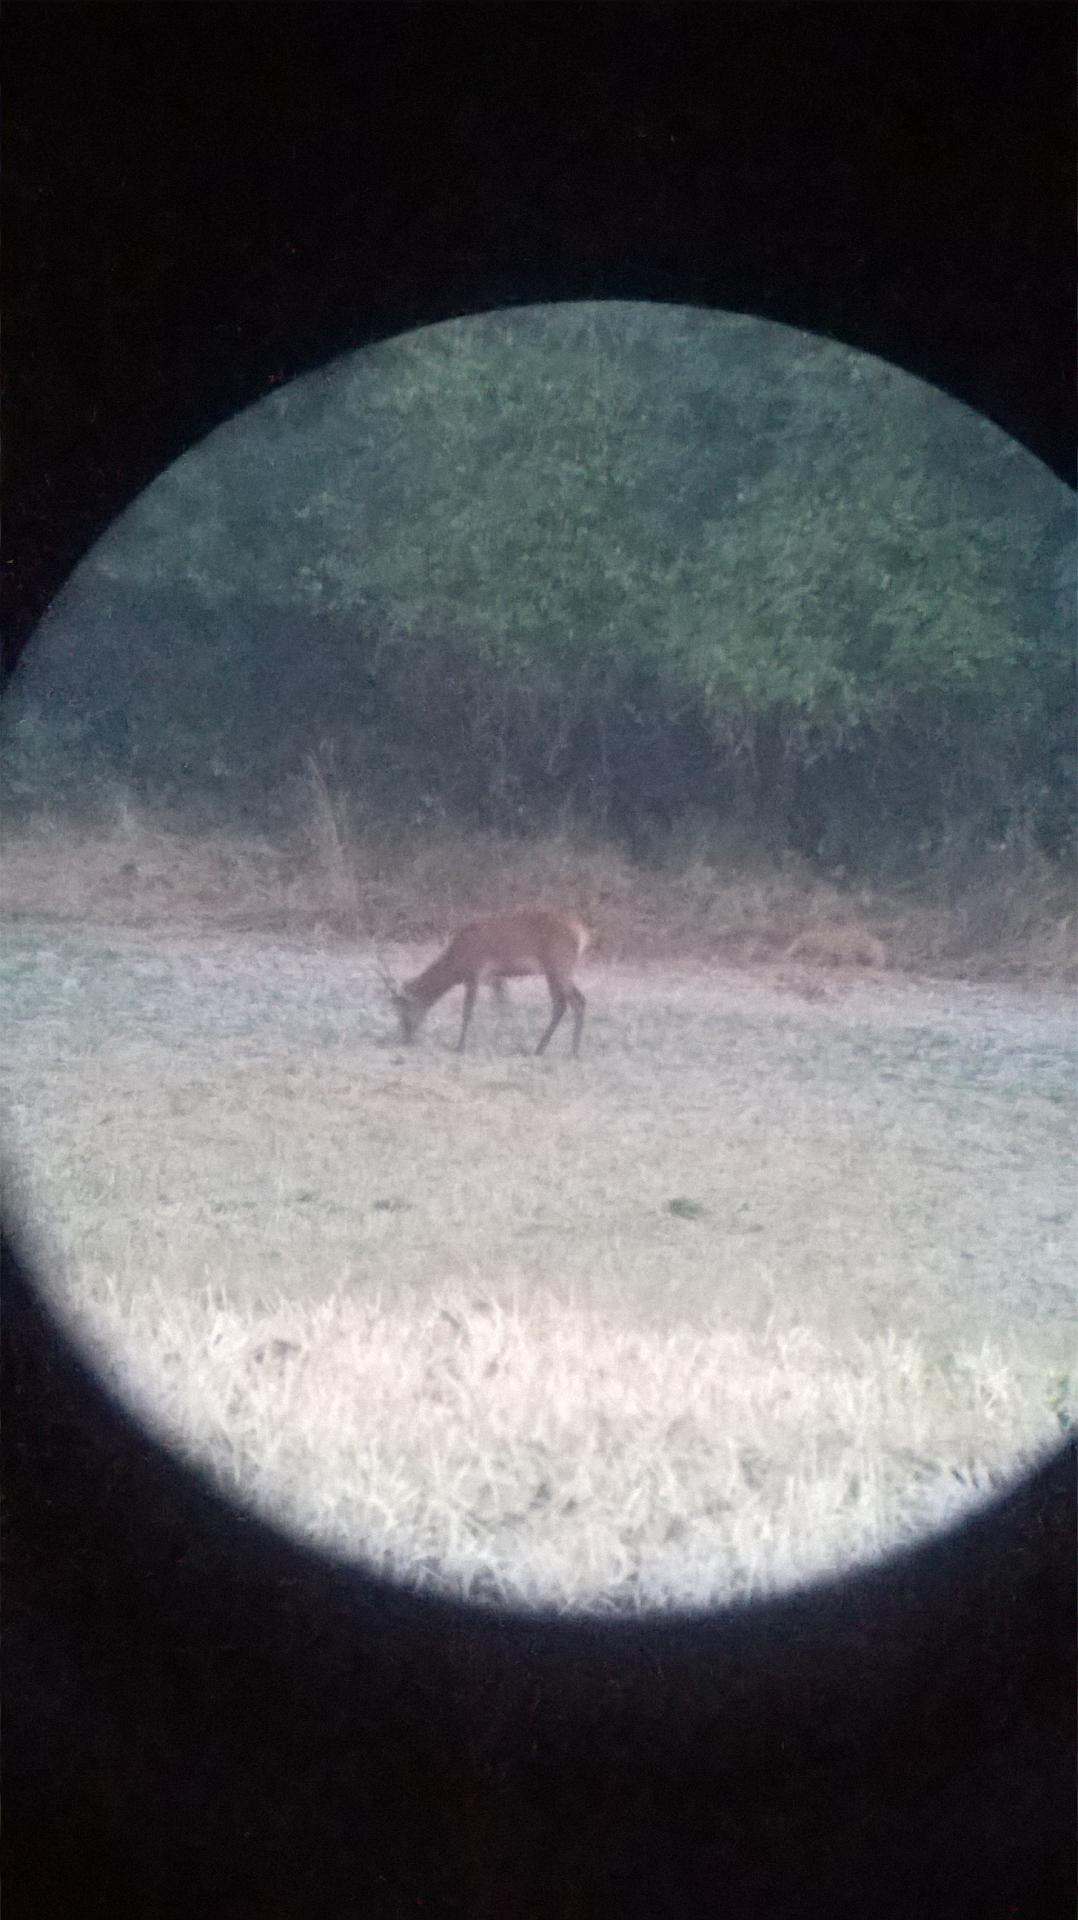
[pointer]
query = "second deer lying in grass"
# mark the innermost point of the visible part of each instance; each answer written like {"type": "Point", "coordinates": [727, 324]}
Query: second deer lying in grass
{"type": "Point", "coordinates": [507, 946]}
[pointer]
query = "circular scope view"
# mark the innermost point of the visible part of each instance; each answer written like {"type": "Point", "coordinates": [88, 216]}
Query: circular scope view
{"type": "Point", "coordinates": [539, 950]}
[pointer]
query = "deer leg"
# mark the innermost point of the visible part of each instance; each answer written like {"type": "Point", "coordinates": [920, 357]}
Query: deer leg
{"type": "Point", "coordinates": [497, 987]}
{"type": "Point", "coordinates": [559, 1001]}
{"type": "Point", "coordinates": [578, 1003]}
{"type": "Point", "coordinates": [470, 991]}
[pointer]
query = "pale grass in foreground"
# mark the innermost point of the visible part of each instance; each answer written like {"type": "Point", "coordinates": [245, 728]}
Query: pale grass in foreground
{"type": "Point", "coordinates": [699, 1316]}
{"type": "Point", "coordinates": [520, 1449]}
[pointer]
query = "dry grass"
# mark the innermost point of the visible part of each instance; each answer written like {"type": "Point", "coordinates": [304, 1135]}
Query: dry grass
{"type": "Point", "coordinates": [338, 877]}
{"type": "Point", "coordinates": [756, 1286]}
{"type": "Point", "coordinates": [838, 946]}
{"type": "Point", "coordinates": [529, 1451]}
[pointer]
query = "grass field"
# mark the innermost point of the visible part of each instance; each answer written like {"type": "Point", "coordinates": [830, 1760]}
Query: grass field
{"type": "Point", "coordinates": [777, 1274]}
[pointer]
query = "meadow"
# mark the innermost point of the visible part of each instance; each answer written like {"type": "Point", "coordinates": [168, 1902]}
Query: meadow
{"type": "Point", "coordinates": [776, 1275]}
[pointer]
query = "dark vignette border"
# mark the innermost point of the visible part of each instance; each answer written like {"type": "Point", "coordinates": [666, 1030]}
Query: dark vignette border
{"type": "Point", "coordinates": [200, 202]}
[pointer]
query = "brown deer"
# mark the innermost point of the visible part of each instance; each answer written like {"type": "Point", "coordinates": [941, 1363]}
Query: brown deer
{"type": "Point", "coordinates": [507, 946]}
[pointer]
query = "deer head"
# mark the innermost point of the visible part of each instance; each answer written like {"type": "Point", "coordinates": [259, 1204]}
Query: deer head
{"type": "Point", "coordinates": [408, 1012]}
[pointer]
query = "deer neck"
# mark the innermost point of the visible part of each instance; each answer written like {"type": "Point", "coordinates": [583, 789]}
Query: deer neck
{"type": "Point", "coordinates": [429, 986]}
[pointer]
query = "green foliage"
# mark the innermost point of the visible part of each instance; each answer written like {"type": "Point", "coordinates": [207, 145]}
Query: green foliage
{"type": "Point", "coordinates": [590, 556]}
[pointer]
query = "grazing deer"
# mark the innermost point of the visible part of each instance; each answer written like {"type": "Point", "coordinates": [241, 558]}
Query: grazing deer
{"type": "Point", "coordinates": [507, 946]}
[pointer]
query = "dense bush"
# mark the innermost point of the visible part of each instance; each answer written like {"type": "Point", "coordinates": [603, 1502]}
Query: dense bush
{"type": "Point", "coordinates": [621, 563]}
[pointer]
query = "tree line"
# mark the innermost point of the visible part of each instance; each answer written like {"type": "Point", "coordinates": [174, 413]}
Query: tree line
{"type": "Point", "coordinates": [623, 565]}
